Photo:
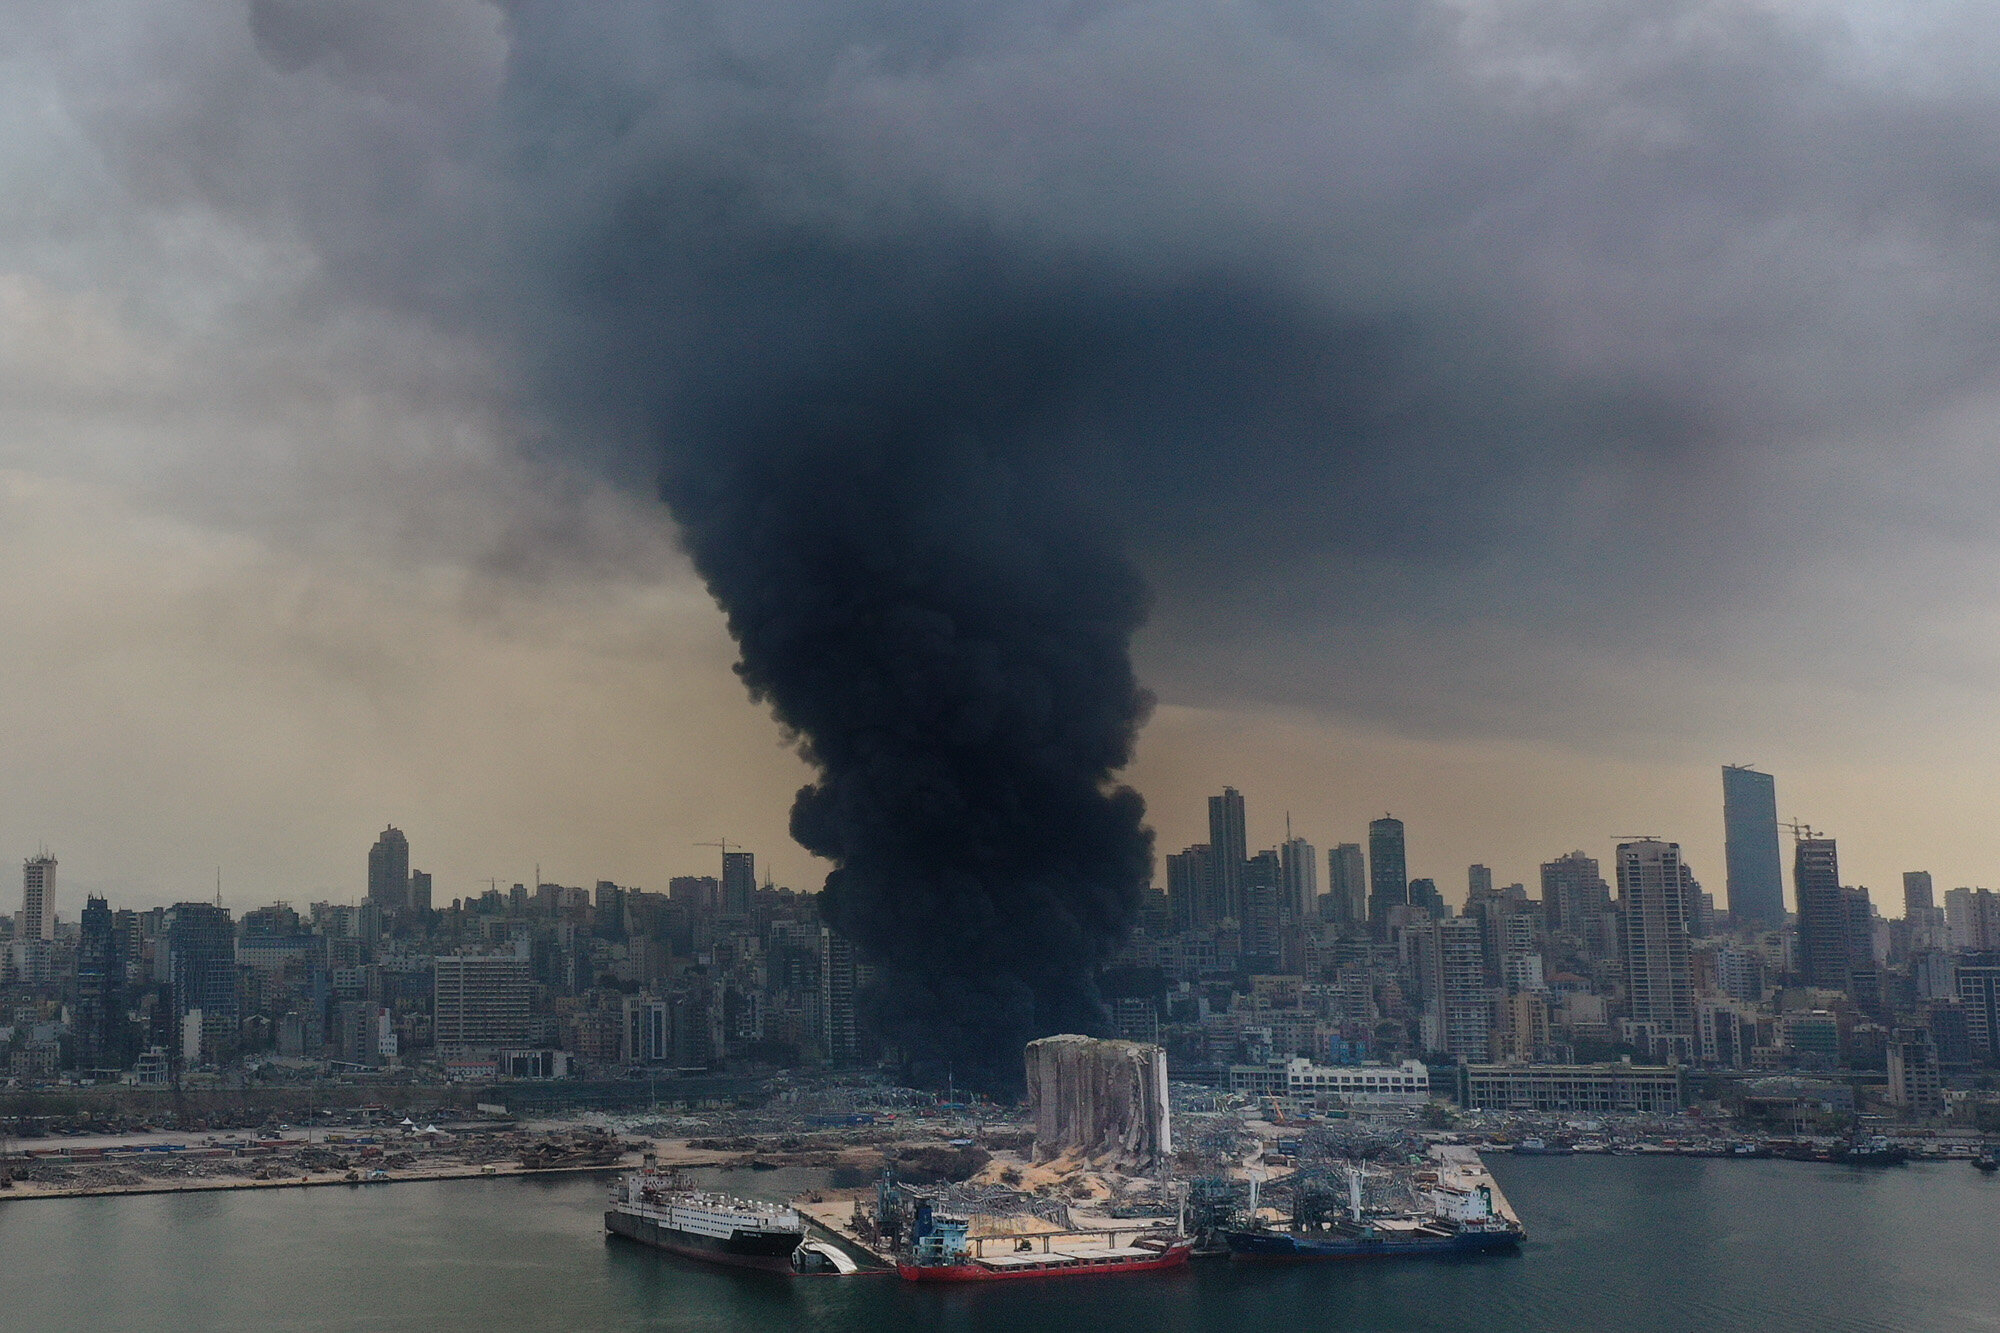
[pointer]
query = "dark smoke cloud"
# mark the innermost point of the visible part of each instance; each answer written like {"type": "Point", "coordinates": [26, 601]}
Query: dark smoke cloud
{"type": "Point", "coordinates": [1402, 347]}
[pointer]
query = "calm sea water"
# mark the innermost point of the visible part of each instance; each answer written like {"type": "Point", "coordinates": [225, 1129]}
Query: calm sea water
{"type": "Point", "coordinates": [1620, 1245]}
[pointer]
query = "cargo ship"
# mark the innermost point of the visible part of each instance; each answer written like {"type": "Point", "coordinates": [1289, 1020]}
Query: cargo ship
{"type": "Point", "coordinates": [1459, 1222]}
{"type": "Point", "coordinates": [942, 1250]}
{"type": "Point", "coordinates": [657, 1208]}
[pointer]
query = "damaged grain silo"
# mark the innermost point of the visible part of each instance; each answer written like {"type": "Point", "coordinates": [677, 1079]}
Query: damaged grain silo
{"type": "Point", "coordinates": [1099, 1098]}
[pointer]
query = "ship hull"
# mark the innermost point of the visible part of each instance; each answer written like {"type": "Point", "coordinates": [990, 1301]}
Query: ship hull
{"type": "Point", "coordinates": [1173, 1257]}
{"type": "Point", "coordinates": [770, 1252]}
{"type": "Point", "coordinates": [1284, 1246]}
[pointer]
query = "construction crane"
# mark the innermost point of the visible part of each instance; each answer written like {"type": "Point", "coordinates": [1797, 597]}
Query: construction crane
{"type": "Point", "coordinates": [724, 843]}
{"type": "Point", "coordinates": [1801, 832]}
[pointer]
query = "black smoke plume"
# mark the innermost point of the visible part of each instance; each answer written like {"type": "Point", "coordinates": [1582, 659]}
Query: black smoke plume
{"type": "Point", "coordinates": [1404, 347]}
{"type": "Point", "coordinates": [937, 607]}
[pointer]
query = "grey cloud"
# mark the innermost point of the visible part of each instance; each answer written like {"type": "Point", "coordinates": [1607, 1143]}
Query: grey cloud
{"type": "Point", "coordinates": [1504, 355]}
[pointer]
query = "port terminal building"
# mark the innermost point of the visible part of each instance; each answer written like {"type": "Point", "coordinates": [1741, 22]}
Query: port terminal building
{"type": "Point", "coordinates": [1610, 1088]}
{"type": "Point", "coordinates": [1405, 1084]}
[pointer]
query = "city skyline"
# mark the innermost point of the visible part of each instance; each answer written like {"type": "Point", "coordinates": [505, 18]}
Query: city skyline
{"type": "Point", "coordinates": [286, 518]}
{"type": "Point", "coordinates": [1264, 828]}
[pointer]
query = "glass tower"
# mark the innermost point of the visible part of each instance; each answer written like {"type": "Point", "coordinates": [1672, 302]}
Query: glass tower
{"type": "Point", "coordinates": [1750, 832]}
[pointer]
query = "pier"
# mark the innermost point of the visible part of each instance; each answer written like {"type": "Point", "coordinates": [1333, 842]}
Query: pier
{"type": "Point", "coordinates": [1460, 1167]}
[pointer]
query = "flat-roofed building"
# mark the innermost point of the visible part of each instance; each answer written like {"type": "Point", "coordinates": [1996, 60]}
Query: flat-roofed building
{"type": "Point", "coordinates": [480, 999]}
{"type": "Point", "coordinates": [1596, 1089]}
{"type": "Point", "coordinates": [1406, 1084]}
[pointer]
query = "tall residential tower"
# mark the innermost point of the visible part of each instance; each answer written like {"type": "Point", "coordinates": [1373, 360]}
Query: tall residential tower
{"type": "Point", "coordinates": [38, 899]}
{"type": "Point", "coordinates": [389, 870]}
{"type": "Point", "coordinates": [1652, 899]}
{"type": "Point", "coordinates": [1231, 848]}
{"type": "Point", "coordinates": [1750, 833]}
{"type": "Point", "coordinates": [1388, 870]}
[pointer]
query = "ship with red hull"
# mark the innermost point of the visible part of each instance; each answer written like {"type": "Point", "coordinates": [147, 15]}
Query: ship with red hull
{"type": "Point", "coordinates": [941, 1250]}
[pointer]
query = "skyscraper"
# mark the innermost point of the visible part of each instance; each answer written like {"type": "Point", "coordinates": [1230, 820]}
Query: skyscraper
{"type": "Point", "coordinates": [1750, 833]}
{"type": "Point", "coordinates": [1653, 900]}
{"type": "Point", "coordinates": [1346, 885]}
{"type": "Point", "coordinates": [840, 983]}
{"type": "Point", "coordinates": [1478, 882]}
{"type": "Point", "coordinates": [1299, 860]}
{"type": "Point", "coordinates": [1574, 894]}
{"type": "Point", "coordinates": [100, 990]}
{"type": "Point", "coordinates": [1458, 1002]}
{"type": "Point", "coordinates": [201, 962]}
{"type": "Point", "coordinates": [1231, 848]}
{"type": "Point", "coordinates": [739, 883]}
{"type": "Point", "coordinates": [389, 870]}
{"type": "Point", "coordinates": [1263, 912]}
{"type": "Point", "coordinates": [1191, 887]}
{"type": "Point", "coordinates": [1823, 913]}
{"type": "Point", "coordinates": [1388, 870]}
{"type": "Point", "coordinates": [1917, 895]}
{"type": "Point", "coordinates": [38, 899]}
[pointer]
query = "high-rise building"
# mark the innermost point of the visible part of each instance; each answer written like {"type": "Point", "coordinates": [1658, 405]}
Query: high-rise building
{"type": "Point", "coordinates": [1299, 862]}
{"type": "Point", "coordinates": [389, 870]}
{"type": "Point", "coordinates": [1978, 977]}
{"type": "Point", "coordinates": [1231, 848]}
{"type": "Point", "coordinates": [100, 990]}
{"type": "Point", "coordinates": [1346, 898]}
{"type": "Point", "coordinates": [1972, 919]}
{"type": "Point", "coordinates": [739, 883]}
{"type": "Point", "coordinates": [1659, 983]}
{"type": "Point", "coordinates": [1478, 882]}
{"type": "Point", "coordinates": [481, 999]}
{"type": "Point", "coordinates": [1864, 979]}
{"type": "Point", "coordinates": [1917, 893]}
{"type": "Point", "coordinates": [1915, 1082]}
{"type": "Point", "coordinates": [1574, 894]}
{"type": "Point", "coordinates": [1458, 1001]}
{"type": "Point", "coordinates": [1388, 869]}
{"type": "Point", "coordinates": [420, 890]}
{"type": "Point", "coordinates": [1750, 846]}
{"type": "Point", "coordinates": [1191, 887]}
{"type": "Point", "coordinates": [840, 985]}
{"type": "Point", "coordinates": [38, 899]}
{"type": "Point", "coordinates": [1424, 893]}
{"type": "Point", "coordinates": [201, 963]}
{"type": "Point", "coordinates": [1263, 912]}
{"type": "Point", "coordinates": [1823, 913]}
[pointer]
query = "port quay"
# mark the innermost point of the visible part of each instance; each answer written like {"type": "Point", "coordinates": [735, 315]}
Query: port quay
{"type": "Point", "coordinates": [1096, 1185]}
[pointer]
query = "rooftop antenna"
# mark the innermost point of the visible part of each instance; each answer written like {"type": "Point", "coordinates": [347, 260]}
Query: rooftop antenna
{"type": "Point", "coordinates": [218, 886]}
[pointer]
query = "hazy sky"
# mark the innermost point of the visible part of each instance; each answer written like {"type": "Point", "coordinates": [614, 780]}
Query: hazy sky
{"type": "Point", "coordinates": [1600, 393]}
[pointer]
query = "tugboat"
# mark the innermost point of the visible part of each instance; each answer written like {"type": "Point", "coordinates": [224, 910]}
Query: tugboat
{"type": "Point", "coordinates": [658, 1208]}
{"type": "Point", "coordinates": [1460, 1223]}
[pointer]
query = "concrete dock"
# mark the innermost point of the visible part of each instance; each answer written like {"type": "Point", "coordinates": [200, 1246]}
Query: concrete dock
{"type": "Point", "coordinates": [1461, 1167]}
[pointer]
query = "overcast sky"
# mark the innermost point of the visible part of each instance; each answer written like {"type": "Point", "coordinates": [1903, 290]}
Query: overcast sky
{"type": "Point", "coordinates": [1573, 398]}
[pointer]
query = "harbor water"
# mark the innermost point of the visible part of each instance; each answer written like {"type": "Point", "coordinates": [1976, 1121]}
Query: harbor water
{"type": "Point", "coordinates": [1618, 1245]}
